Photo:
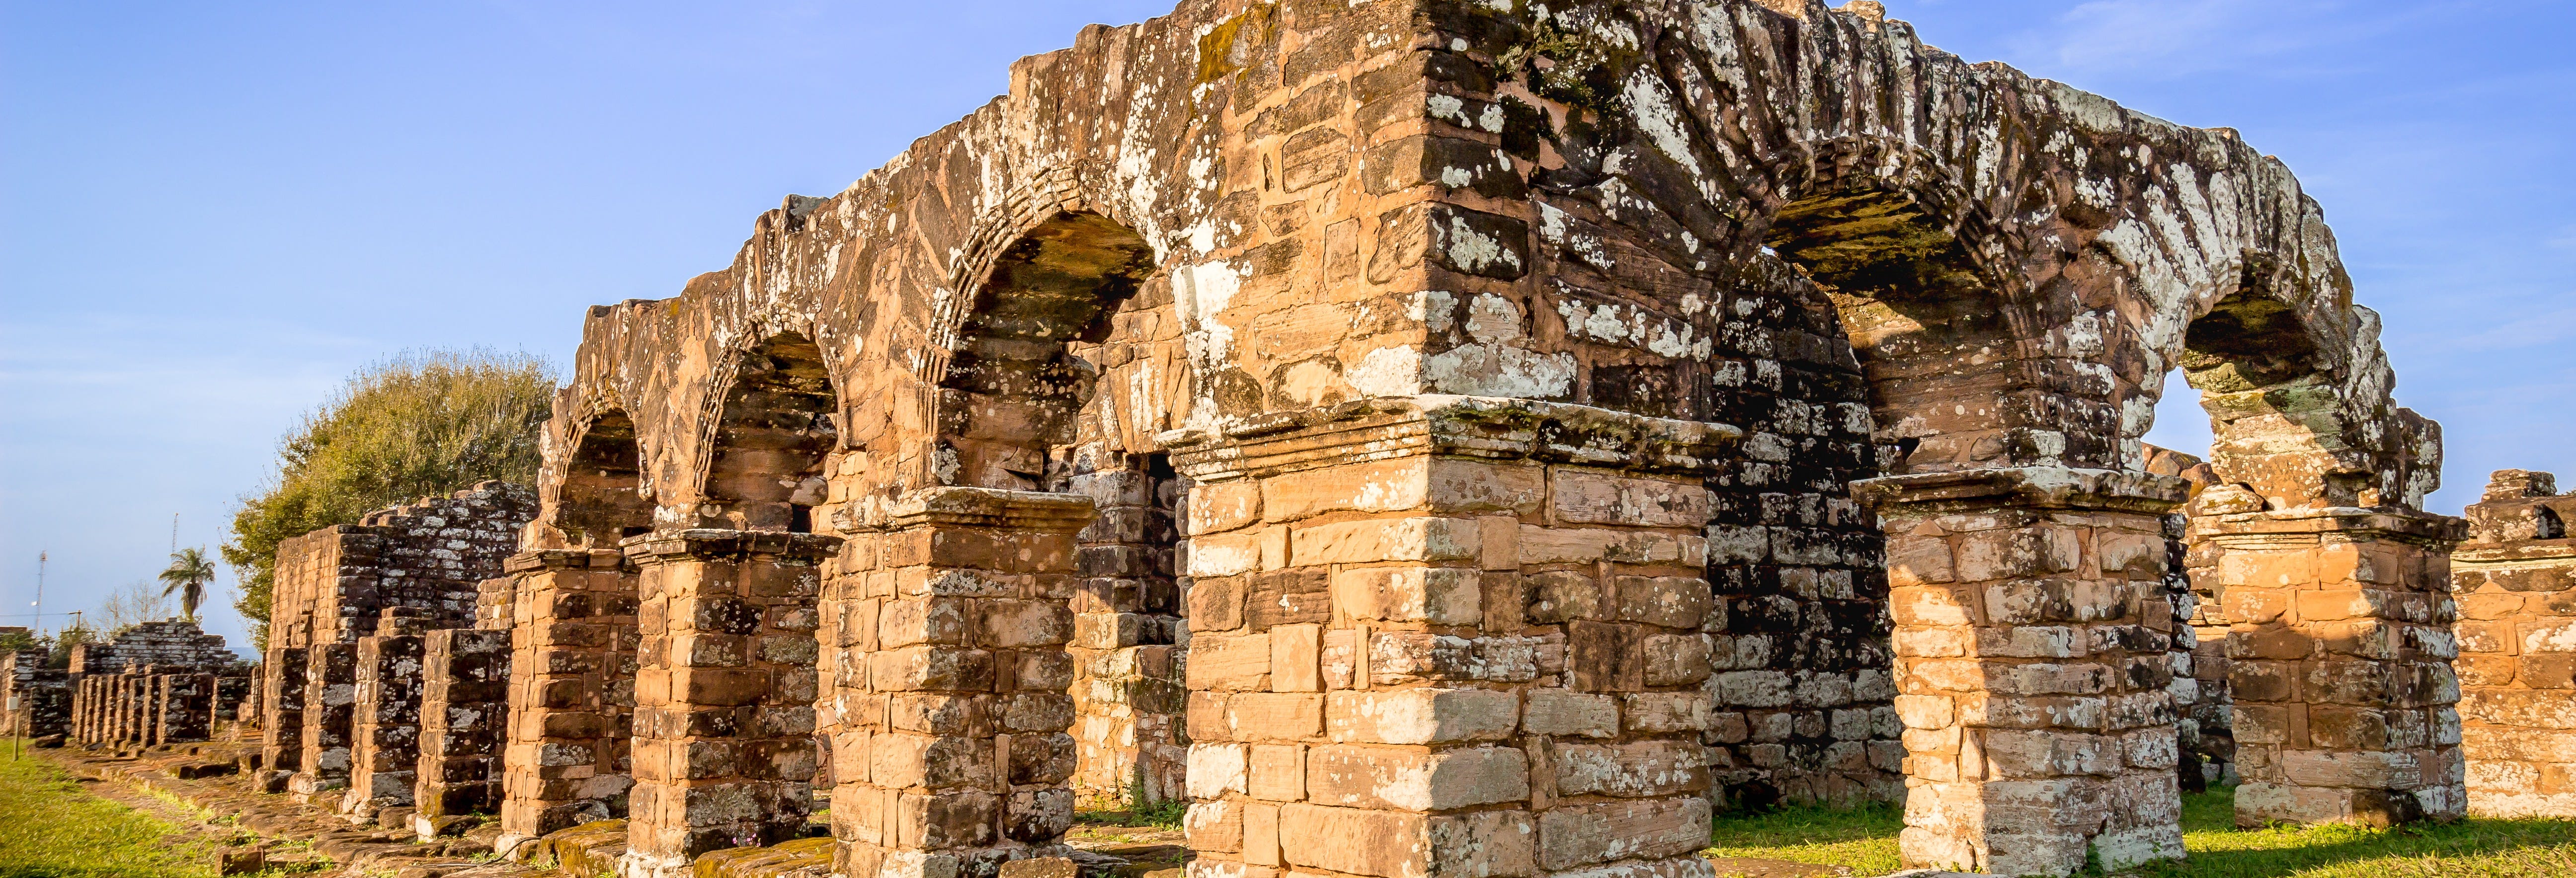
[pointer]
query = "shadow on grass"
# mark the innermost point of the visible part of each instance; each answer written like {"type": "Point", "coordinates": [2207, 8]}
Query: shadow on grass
{"type": "Point", "coordinates": [1864, 839]}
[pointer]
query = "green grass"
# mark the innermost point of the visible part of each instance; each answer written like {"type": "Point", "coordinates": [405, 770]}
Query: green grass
{"type": "Point", "coordinates": [51, 828]}
{"type": "Point", "coordinates": [1865, 840]}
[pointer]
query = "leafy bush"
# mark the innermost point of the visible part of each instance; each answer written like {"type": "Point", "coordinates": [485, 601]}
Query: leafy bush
{"type": "Point", "coordinates": [416, 425]}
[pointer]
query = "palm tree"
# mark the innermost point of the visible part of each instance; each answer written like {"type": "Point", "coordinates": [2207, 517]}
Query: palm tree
{"type": "Point", "coordinates": [190, 571]}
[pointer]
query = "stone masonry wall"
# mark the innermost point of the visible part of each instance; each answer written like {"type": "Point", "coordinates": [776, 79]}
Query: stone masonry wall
{"type": "Point", "coordinates": [430, 555]}
{"type": "Point", "coordinates": [2515, 580]}
{"type": "Point", "coordinates": [37, 699]}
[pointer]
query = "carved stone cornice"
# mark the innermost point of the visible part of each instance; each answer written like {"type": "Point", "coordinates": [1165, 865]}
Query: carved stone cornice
{"type": "Point", "coordinates": [563, 559]}
{"type": "Point", "coordinates": [2527, 553]}
{"type": "Point", "coordinates": [991, 507]}
{"type": "Point", "coordinates": [2026, 487]}
{"type": "Point", "coordinates": [2286, 528]}
{"type": "Point", "coordinates": [710, 544]}
{"type": "Point", "coordinates": [1458, 426]}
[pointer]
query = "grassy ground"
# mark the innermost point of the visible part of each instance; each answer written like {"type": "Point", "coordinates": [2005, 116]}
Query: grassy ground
{"type": "Point", "coordinates": [51, 828]}
{"type": "Point", "coordinates": [1865, 840]}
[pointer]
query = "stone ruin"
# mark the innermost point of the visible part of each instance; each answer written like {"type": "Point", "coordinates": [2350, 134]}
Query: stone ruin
{"type": "Point", "coordinates": [2517, 643]}
{"type": "Point", "coordinates": [1439, 438]}
{"type": "Point", "coordinates": [382, 696]}
{"type": "Point", "coordinates": [35, 701]}
{"type": "Point", "coordinates": [151, 684]}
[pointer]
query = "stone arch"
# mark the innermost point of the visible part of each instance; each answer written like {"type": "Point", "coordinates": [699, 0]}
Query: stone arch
{"type": "Point", "coordinates": [775, 428]}
{"type": "Point", "coordinates": [599, 497]}
{"type": "Point", "coordinates": [1010, 390]}
{"type": "Point", "coordinates": [1932, 326]}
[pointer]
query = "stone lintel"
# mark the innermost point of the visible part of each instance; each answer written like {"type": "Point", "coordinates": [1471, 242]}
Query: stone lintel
{"type": "Point", "coordinates": [2290, 527]}
{"type": "Point", "coordinates": [713, 544]}
{"type": "Point", "coordinates": [2028, 487]}
{"type": "Point", "coordinates": [563, 559]}
{"type": "Point", "coordinates": [1463, 426]}
{"type": "Point", "coordinates": [992, 507]}
{"type": "Point", "coordinates": [2533, 551]}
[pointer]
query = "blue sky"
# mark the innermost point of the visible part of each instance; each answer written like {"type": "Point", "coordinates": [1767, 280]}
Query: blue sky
{"type": "Point", "coordinates": [210, 214]}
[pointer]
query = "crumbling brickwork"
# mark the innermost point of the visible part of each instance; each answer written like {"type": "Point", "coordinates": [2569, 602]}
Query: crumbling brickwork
{"type": "Point", "coordinates": [38, 699]}
{"type": "Point", "coordinates": [149, 683]}
{"type": "Point", "coordinates": [347, 702]}
{"type": "Point", "coordinates": [384, 753]}
{"type": "Point", "coordinates": [1129, 699]}
{"type": "Point", "coordinates": [464, 713]}
{"type": "Point", "coordinates": [2513, 579]}
{"type": "Point", "coordinates": [572, 689]}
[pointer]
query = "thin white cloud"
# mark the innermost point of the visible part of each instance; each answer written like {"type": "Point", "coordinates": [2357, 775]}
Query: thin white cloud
{"type": "Point", "coordinates": [2182, 37]}
{"type": "Point", "coordinates": [2555, 326]}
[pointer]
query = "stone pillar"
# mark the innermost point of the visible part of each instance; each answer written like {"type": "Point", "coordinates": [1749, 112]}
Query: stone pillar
{"type": "Point", "coordinates": [2516, 585]}
{"type": "Point", "coordinates": [464, 709]}
{"type": "Point", "coordinates": [571, 690]}
{"type": "Point", "coordinates": [281, 727]}
{"type": "Point", "coordinates": [2340, 650]}
{"type": "Point", "coordinates": [1451, 636]}
{"type": "Point", "coordinates": [81, 701]}
{"type": "Point", "coordinates": [330, 703]}
{"type": "Point", "coordinates": [183, 707]}
{"type": "Point", "coordinates": [385, 726]}
{"type": "Point", "coordinates": [2033, 664]}
{"type": "Point", "coordinates": [231, 694]}
{"type": "Point", "coordinates": [951, 752]}
{"type": "Point", "coordinates": [1129, 701]}
{"type": "Point", "coordinates": [725, 685]}
{"type": "Point", "coordinates": [138, 712]}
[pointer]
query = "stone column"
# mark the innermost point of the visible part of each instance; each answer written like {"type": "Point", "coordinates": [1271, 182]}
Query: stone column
{"type": "Point", "coordinates": [183, 707]}
{"type": "Point", "coordinates": [725, 685]}
{"type": "Point", "coordinates": [2033, 664]}
{"type": "Point", "coordinates": [1450, 637]}
{"type": "Point", "coordinates": [1128, 698]}
{"type": "Point", "coordinates": [385, 726]}
{"type": "Point", "coordinates": [281, 727]}
{"type": "Point", "coordinates": [139, 713]}
{"type": "Point", "coordinates": [2339, 655]}
{"type": "Point", "coordinates": [330, 703]}
{"type": "Point", "coordinates": [2516, 585]}
{"type": "Point", "coordinates": [463, 712]}
{"type": "Point", "coordinates": [81, 701]}
{"type": "Point", "coordinates": [951, 755]}
{"type": "Point", "coordinates": [571, 690]}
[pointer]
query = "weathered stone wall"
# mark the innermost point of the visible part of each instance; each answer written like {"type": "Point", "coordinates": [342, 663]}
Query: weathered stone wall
{"type": "Point", "coordinates": [149, 683]}
{"type": "Point", "coordinates": [35, 701]}
{"type": "Point", "coordinates": [2515, 580]}
{"type": "Point", "coordinates": [429, 555]}
{"type": "Point", "coordinates": [169, 643]}
{"type": "Point", "coordinates": [348, 702]}
{"type": "Point", "coordinates": [1129, 699]}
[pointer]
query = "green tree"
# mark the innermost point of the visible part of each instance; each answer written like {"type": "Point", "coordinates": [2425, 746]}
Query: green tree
{"type": "Point", "coordinates": [188, 574]}
{"type": "Point", "coordinates": [72, 635]}
{"type": "Point", "coordinates": [416, 425]}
